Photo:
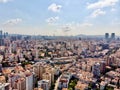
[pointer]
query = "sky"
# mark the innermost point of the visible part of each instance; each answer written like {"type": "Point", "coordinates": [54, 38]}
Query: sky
{"type": "Point", "coordinates": [60, 17]}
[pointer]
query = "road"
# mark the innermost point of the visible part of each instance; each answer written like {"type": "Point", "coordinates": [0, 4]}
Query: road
{"type": "Point", "coordinates": [56, 84]}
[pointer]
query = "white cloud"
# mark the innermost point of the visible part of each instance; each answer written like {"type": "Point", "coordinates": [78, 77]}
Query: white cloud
{"type": "Point", "coordinates": [86, 25]}
{"type": "Point", "coordinates": [115, 21]}
{"type": "Point", "coordinates": [66, 28]}
{"type": "Point", "coordinates": [97, 12]}
{"type": "Point", "coordinates": [113, 10]}
{"type": "Point", "coordinates": [54, 7]}
{"type": "Point", "coordinates": [102, 4]}
{"type": "Point", "coordinates": [13, 21]}
{"type": "Point", "coordinates": [73, 26]}
{"type": "Point", "coordinates": [5, 1]}
{"type": "Point", "coordinates": [52, 20]}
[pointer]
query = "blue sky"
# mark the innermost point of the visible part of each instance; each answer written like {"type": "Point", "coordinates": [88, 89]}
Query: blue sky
{"type": "Point", "coordinates": [60, 17]}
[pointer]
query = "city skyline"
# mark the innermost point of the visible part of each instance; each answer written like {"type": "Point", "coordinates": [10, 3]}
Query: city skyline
{"type": "Point", "coordinates": [60, 17]}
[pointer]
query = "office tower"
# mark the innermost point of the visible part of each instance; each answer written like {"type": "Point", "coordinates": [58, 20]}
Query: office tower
{"type": "Point", "coordinates": [1, 42]}
{"type": "Point", "coordinates": [112, 36]}
{"type": "Point", "coordinates": [44, 84]}
{"type": "Point", "coordinates": [1, 38]}
{"type": "Point", "coordinates": [6, 34]}
{"type": "Point", "coordinates": [106, 36]}
{"type": "Point", "coordinates": [1, 34]}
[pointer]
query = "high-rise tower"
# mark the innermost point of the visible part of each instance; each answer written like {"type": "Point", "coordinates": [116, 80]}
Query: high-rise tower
{"type": "Point", "coordinates": [112, 36]}
{"type": "Point", "coordinates": [106, 36]}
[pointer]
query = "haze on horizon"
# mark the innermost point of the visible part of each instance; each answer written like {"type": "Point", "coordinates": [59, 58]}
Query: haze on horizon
{"type": "Point", "coordinates": [60, 17]}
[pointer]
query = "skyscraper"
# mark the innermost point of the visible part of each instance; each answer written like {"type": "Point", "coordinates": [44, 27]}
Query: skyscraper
{"type": "Point", "coordinates": [1, 34]}
{"type": "Point", "coordinates": [106, 36]}
{"type": "Point", "coordinates": [5, 35]}
{"type": "Point", "coordinates": [112, 36]}
{"type": "Point", "coordinates": [1, 38]}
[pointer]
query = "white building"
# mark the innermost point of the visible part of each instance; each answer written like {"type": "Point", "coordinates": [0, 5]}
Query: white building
{"type": "Point", "coordinates": [64, 80]}
{"type": "Point", "coordinates": [44, 84]}
{"type": "Point", "coordinates": [4, 86]}
{"type": "Point", "coordinates": [29, 82]}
